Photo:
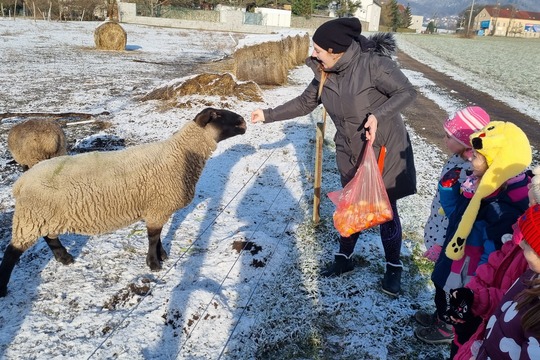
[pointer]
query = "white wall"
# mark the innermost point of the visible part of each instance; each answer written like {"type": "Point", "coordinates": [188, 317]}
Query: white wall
{"type": "Point", "coordinates": [229, 20]}
{"type": "Point", "coordinates": [275, 17]}
{"type": "Point", "coordinates": [370, 13]}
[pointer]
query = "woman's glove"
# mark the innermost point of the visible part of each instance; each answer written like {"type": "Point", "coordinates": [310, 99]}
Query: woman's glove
{"type": "Point", "coordinates": [433, 252]}
{"type": "Point", "coordinates": [460, 305]}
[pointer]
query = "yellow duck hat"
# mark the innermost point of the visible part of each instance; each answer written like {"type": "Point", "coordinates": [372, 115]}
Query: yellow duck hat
{"type": "Point", "coordinates": [508, 153]}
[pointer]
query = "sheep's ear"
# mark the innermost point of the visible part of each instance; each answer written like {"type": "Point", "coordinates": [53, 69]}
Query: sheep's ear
{"type": "Point", "coordinates": [206, 116]}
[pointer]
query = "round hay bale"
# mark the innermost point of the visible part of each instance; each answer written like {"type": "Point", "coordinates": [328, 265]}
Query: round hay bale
{"type": "Point", "coordinates": [35, 140]}
{"type": "Point", "coordinates": [110, 36]}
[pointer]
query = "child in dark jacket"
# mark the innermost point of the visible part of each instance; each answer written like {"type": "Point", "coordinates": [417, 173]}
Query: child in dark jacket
{"type": "Point", "coordinates": [480, 212]}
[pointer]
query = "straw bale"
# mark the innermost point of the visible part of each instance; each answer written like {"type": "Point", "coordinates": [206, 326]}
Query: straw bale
{"type": "Point", "coordinates": [268, 63]}
{"type": "Point", "coordinates": [289, 45]}
{"type": "Point", "coordinates": [301, 48]}
{"type": "Point", "coordinates": [262, 63]}
{"type": "Point", "coordinates": [110, 36]}
{"type": "Point", "coordinates": [207, 84]}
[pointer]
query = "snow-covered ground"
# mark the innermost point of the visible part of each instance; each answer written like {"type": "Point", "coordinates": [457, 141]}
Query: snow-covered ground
{"type": "Point", "coordinates": [212, 299]}
{"type": "Point", "coordinates": [499, 66]}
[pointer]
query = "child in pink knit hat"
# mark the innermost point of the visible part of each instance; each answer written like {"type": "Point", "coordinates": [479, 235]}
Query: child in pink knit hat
{"type": "Point", "coordinates": [464, 123]}
{"type": "Point", "coordinates": [480, 211]}
{"type": "Point", "coordinates": [458, 129]}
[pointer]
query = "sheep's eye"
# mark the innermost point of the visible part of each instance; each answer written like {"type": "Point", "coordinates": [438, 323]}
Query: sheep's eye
{"type": "Point", "coordinates": [491, 128]}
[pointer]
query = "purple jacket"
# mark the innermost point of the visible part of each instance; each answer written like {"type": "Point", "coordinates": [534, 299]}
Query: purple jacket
{"type": "Point", "coordinates": [505, 338]}
{"type": "Point", "coordinates": [489, 285]}
{"type": "Point", "coordinates": [495, 277]}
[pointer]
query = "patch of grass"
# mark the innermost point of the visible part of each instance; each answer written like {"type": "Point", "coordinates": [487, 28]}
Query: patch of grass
{"type": "Point", "coordinates": [311, 345]}
{"type": "Point", "coordinates": [424, 267]}
{"type": "Point", "coordinates": [420, 270]}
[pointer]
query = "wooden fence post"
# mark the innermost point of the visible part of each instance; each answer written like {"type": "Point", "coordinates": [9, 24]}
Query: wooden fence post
{"type": "Point", "coordinates": [319, 141]}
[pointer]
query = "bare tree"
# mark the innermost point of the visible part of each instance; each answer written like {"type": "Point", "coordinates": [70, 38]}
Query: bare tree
{"type": "Point", "coordinates": [511, 22]}
{"type": "Point", "coordinates": [66, 9]}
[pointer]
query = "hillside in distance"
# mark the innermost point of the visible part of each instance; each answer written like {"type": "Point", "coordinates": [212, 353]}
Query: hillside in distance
{"type": "Point", "coordinates": [440, 8]}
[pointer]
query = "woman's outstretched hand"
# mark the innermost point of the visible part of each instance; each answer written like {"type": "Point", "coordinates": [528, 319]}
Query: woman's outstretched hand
{"type": "Point", "coordinates": [371, 128]}
{"type": "Point", "coordinates": [257, 116]}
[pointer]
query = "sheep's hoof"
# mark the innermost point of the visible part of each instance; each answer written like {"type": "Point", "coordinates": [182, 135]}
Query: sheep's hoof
{"type": "Point", "coordinates": [163, 255]}
{"type": "Point", "coordinates": [153, 264]}
{"type": "Point", "coordinates": [65, 259]}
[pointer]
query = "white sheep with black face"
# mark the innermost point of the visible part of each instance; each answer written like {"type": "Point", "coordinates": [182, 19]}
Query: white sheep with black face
{"type": "Point", "coordinates": [100, 192]}
{"type": "Point", "coordinates": [35, 140]}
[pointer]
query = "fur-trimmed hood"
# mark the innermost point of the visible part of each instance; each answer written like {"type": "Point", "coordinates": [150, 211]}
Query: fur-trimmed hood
{"type": "Point", "coordinates": [383, 43]}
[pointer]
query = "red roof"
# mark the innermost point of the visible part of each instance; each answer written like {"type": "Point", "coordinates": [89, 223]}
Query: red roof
{"type": "Point", "coordinates": [509, 13]}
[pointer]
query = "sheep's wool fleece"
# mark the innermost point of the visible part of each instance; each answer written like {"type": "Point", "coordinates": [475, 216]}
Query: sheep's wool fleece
{"type": "Point", "coordinates": [508, 152]}
{"type": "Point", "coordinates": [99, 192]}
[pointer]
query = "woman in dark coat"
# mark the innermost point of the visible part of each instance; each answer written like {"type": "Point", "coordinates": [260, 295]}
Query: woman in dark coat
{"type": "Point", "coordinates": [363, 91]}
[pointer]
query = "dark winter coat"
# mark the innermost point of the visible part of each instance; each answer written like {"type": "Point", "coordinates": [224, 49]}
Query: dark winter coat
{"type": "Point", "coordinates": [364, 81]}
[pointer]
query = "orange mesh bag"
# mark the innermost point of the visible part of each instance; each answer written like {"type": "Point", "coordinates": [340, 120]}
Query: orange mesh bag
{"type": "Point", "coordinates": [363, 202]}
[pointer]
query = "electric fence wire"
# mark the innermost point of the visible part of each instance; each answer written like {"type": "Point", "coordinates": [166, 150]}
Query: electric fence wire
{"type": "Point", "coordinates": [162, 276]}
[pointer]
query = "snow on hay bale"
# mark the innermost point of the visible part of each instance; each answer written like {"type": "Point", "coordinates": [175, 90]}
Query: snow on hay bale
{"type": "Point", "coordinates": [268, 63]}
{"type": "Point", "coordinates": [207, 84]}
{"type": "Point", "coordinates": [110, 36]}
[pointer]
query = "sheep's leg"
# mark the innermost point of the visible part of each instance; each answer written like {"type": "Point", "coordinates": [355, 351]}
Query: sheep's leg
{"type": "Point", "coordinates": [11, 256]}
{"type": "Point", "coordinates": [156, 252]}
{"type": "Point", "coordinates": [59, 251]}
{"type": "Point", "coordinates": [162, 254]}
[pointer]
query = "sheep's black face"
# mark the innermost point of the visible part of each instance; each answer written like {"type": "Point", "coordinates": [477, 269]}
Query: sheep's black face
{"type": "Point", "coordinates": [225, 123]}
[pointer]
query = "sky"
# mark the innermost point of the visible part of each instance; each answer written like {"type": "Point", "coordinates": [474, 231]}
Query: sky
{"type": "Point", "coordinates": [211, 300]}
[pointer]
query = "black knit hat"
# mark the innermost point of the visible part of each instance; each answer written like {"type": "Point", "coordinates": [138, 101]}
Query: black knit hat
{"type": "Point", "coordinates": [335, 36]}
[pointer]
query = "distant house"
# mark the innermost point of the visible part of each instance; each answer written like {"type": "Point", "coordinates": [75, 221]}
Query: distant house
{"type": "Point", "coordinates": [416, 23]}
{"type": "Point", "coordinates": [507, 21]}
{"type": "Point", "coordinates": [370, 12]}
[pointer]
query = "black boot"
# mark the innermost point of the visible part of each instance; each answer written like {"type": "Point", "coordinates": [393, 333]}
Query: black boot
{"type": "Point", "coordinates": [342, 264]}
{"type": "Point", "coordinates": [391, 283]}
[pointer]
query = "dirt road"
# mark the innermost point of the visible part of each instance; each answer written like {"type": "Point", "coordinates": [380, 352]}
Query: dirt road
{"type": "Point", "coordinates": [426, 117]}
